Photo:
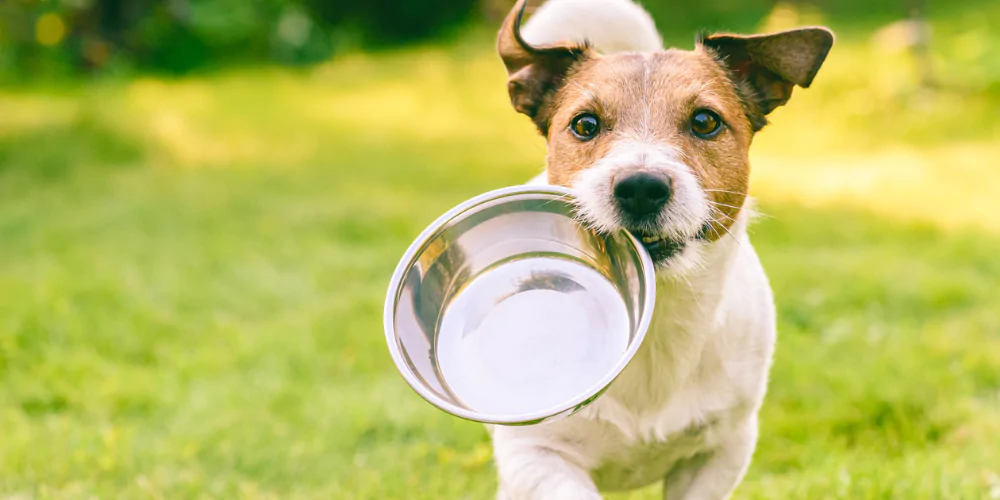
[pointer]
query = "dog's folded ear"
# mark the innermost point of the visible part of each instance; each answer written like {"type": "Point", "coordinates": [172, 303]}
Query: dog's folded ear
{"type": "Point", "coordinates": [534, 73]}
{"type": "Point", "coordinates": [773, 64]}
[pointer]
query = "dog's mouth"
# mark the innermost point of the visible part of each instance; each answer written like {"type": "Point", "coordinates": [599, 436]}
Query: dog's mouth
{"type": "Point", "coordinates": [662, 247]}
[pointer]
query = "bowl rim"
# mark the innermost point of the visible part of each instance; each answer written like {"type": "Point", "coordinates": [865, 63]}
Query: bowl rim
{"type": "Point", "coordinates": [648, 274]}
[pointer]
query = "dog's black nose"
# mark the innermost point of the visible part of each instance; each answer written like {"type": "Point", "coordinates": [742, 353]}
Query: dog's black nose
{"type": "Point", "coordinates": [642, 195]}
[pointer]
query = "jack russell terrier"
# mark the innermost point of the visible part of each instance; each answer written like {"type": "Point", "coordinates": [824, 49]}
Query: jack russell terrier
{"type": "Point", "coordinates": [656, 141]}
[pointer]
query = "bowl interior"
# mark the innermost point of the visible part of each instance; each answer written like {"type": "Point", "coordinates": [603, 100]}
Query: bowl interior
{"type": "Point", "coordinates": [507, 310]}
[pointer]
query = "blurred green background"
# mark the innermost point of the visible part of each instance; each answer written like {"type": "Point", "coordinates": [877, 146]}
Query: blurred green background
{"type": "Point", "coordinates": [201, 202]}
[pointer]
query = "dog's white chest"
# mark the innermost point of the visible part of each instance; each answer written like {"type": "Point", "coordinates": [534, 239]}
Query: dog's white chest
{"type": "Point", "coordinates": [682, 393]}
{"type": "Point", "coordinates": [647, 462]}
{"type": "Point", "coordinates": [650, 444]}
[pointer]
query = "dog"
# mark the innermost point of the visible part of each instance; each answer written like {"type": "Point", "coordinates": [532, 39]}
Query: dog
{"type": "Point", "coordinates": [655, 141]}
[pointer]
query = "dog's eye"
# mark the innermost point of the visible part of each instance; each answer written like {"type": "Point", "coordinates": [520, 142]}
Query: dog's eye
{"type": "Point", "coordinates": [585, 126]}
{"type": "Point", "coordinates": [705, 124]}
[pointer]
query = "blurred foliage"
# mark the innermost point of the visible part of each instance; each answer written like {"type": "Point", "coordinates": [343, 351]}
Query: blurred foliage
{"type": "Point", "coordinates": [53, 37]}
{"type": "Point", "coordinates": [46, 37]}
{"type": "Point", "coordinates": [678, 19]}
{"type": "Point", "coordinates": [67, 36]}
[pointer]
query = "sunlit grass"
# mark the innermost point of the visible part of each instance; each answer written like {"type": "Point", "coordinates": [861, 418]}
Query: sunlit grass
{"type": "Point", "coordinates": [192, 273]}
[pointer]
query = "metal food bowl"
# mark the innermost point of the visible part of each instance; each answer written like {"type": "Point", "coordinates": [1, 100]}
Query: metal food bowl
{"type": "Point", "coordinates": [506, 310]}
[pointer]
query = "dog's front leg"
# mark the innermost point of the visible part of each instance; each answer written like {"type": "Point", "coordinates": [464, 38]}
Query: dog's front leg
{"type": "Point", "coordinates": [714, 476]}
{"type": "Point", "coordinates": [531, 468]}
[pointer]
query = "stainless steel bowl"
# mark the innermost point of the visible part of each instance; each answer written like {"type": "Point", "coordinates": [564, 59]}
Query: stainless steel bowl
{"type": "Point", "coordinates": [507, 311]}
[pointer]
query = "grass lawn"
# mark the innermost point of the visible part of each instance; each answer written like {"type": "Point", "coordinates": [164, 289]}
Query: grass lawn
{"type": "Point", "coordinates": [192, 275]}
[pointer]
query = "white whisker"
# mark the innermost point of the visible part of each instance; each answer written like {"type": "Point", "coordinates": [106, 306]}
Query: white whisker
{"type": "Point", "coordinates": [723, 214]}
{"type": "Point", "coordinates": [694, 294]}
{"type": "Point", "coordinates": [716, 221]}
{"type": "Point", "coordinates": [714, 230]}
{"type": "Point", "coordinates": [724, 205]}
{"type": "Point", "coordinates": [563, 197]}
{"type": "Point", "coordinates": [724, 191]}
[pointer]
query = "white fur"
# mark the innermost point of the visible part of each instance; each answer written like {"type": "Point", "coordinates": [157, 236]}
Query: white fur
{"type": "Point", "coordinates": [681, 220]}
{"type": "Point", "coordinates": [688, 208]}
{"type": "Point", "coordinates": [609, 25]}
{"type": "Point", "coordinates": [685, 409]}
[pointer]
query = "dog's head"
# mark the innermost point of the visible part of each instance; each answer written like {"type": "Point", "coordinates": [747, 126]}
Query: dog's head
{"type": "Point", "coordinates": [657, 143]}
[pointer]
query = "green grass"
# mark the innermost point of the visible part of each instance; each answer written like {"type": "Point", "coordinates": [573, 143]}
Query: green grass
{"type": "Point", "coordinates": [192, 275]}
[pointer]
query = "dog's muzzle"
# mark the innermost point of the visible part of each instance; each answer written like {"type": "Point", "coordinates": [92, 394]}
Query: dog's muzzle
{"type": "Point", "coordinates": [642, 196]}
